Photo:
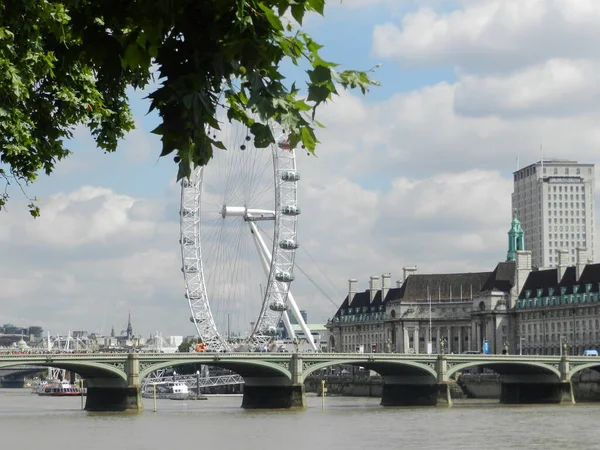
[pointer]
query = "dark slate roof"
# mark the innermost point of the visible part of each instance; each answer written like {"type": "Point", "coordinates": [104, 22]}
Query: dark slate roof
{"type": "Point", "coordinates": [540, 279]}
{"type": "Point", "coordinates": [547, 279]}
{"type": "Point", "coordinates": [590, 274]}
{"type": "Point", "coordinates": [377, 300]}
{"type": "Point", "coordinates": [344, 305]}
{"type": "Point", "coordinates": [502, 278]}
{"type": "Point", "coordinates": [393, 294]}
{"type": "Point", "coordinates": [361, 299]}
{"type": "Point", "coordinates": [448, 286]}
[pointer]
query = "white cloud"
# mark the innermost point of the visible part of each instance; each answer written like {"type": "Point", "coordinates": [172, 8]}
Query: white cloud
{"type": "Point", "coordinates": [492, 35]}
{"type": "Point", "coordinates": [89, 215]}
{"type": "Point", "coordinates": [555, 87]}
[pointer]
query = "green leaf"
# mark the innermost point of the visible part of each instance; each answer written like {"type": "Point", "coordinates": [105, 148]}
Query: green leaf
{"type": "Point", "coordinates": [262, 135]}
{"type": "Point", "coordinates": [271, 17]}
{"type": "Point", "coordinates": [317, 5]}
{"type": "Point", "coordinates": [320, 74]}
{"type": "Point", "coordinates": [298, 11]}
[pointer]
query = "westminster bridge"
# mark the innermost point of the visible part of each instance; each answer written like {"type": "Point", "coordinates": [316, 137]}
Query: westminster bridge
{"type": "Point", "coordinates": [276, 380]}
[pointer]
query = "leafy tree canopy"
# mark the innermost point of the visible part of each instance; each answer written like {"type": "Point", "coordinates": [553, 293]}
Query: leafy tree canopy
{"type": "Point", "coordinates": [185, 346]}
{"type": "Point", "coordinates": [65, 63]}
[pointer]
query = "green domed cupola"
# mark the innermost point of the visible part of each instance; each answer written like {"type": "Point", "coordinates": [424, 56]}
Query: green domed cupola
{"type": "Point", "coordinates": [516, 240]}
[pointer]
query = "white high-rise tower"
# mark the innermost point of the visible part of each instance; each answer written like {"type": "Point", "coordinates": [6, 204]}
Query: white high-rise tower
{"type": "Point", "coordinates": [554, 201]}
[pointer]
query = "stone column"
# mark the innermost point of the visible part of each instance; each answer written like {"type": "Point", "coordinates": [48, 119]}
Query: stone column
{"type": "Point", "coordinates": [406, 340]}
{"type": "Point", "coordinates": [460, 339]}
{"type": "Point", "coordinates": [470, 337]}
{"type": "Point", "coordinates": [439, 337]}
{"type": "Point", "coordinates": [478, 337]}
{"type": "Point", "coordinates": [427, 336]}
{"type": "Point", "coordinates": [416, 339]}
{"type": "Point", "coordinates": [450, 340]}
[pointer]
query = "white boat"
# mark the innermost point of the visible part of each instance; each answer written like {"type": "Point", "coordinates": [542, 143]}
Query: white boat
{"type": "Point", "coordinates": [57, 388]}
{"type": "Point", "coordinates": [175, 390]}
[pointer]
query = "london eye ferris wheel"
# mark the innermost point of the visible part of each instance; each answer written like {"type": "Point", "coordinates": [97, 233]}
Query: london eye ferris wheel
{"type": "Point", "coordinates": [238, 226]}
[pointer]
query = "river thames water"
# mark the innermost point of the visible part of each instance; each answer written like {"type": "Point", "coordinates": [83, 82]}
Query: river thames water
{"type": "Point", "coordinates": [32, 422]}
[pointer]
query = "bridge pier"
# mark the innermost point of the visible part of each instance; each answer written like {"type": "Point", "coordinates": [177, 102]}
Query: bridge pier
{"type": "Point", "coordinates": [113, 394]}
{"type": "Point", "coordinates": [273, 397]}
{"type": "Point", "coordinates": [541, 391]}
{"type": "Point", "coordinates": [415, 391]}
{"type": "Point", "coordinates": [127, 398]}
{"type": "Point", "coordinates": [276, 392]}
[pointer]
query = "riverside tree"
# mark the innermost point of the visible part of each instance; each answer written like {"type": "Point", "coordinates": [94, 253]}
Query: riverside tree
{"type": "Point", "coordinates": [66, 63]}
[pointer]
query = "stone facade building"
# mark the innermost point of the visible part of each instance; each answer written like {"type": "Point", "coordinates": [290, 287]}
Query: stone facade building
{"type": "Point", "coordinates": [510, 309]}
{"type": "Point", "coordinates": [559, 309]}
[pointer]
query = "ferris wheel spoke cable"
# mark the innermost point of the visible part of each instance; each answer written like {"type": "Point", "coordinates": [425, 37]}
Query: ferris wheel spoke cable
{"type": "Point", "coordinates": [312, 281]}
{"type": "Point", "coordinates": [321, 271]}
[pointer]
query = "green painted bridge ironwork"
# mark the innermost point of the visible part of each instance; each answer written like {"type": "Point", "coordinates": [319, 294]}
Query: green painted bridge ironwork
{"type": "Point", "coordinates": [276, 380]}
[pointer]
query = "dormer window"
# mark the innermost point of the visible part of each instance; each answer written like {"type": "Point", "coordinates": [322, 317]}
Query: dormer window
{"type": "Point", "coordinates": [527, 294]}
{"type": "Point", "coordinates": [563, 290]}
{"type": "Point", "coordinates": [575, 289]}
{"type": "Point", "coordinates": [550, 291]}
{"type": "Point", "coordinates": [588, 287]}
{"type": "Point", "coordinates": [539, 292]}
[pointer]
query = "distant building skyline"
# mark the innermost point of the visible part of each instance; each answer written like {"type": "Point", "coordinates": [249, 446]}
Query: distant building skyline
{"type": "Point", "coordinates": [554, 201]}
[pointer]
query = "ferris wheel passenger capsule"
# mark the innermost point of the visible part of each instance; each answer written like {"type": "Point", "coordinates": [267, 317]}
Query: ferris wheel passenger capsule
{"type": "Point", "coordinates": [290, 210]}
{"type": "Point", "coordinates": [284, 144]}
{"type": "Point", "coordinates": [288, 244]}
{"type": "Point", "coordinates": [290, 175]}
{"type": "Point", "coordinates": [272, 331]}
{"type": "Point", "coordinates": [278, 306]}
{"type": "Point", "coordinates": [186, 212]}
{"type": "Point", "coordinates": [284, 277]}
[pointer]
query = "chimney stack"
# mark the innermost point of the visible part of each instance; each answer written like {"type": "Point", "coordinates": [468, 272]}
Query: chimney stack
{"type": "Point", "coordinates": [563, 263]}
{"type": "Point", "coordinates": [409, 270]}
{"type": "Point", "coordinates": [386, 284]}
{"type": "Point", "coordinates": [581, 258]}
{"type": "Point", "coordinates": [398, 284]}
{"type": "Point", "coordinates": [523, 269]}
{"type": "Point", "coordinates": [373, 287]}
{"type": "Point", "coordinates": [351, 290]}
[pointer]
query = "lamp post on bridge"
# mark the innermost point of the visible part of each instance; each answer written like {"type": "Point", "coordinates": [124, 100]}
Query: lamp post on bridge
{"type": "Point", "coordinates": [197, 384]}
{"type": "Point", "coordinates": [564, 346]}
{"type": "Point", "coordinates": [442, 345]}
{"type": "Point", "coordinates": [521, 339]}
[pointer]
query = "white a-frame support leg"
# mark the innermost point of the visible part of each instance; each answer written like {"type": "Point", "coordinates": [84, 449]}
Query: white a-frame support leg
{"type": "Point", "coordinates": [266, 257]}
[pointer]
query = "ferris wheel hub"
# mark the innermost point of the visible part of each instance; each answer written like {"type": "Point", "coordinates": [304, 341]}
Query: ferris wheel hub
{"type": "Point", "coordinates": [248, 214]}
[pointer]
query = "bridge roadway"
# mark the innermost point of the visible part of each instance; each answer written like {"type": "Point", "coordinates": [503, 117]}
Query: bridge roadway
{"type": "Point", "coordinates": [276, 380]}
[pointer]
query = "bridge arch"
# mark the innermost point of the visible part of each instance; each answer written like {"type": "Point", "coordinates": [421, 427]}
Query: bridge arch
{"type": "Point", "coordinates": [576, 369]}
{"type": "Point", "coordinates": [88, 369]}
{"type": "Point", "coordinates": [508, 368]}
{"type": "Point", "coordinates": [382, 367]}
{"type": "Point", "coordinates": [246, 369]}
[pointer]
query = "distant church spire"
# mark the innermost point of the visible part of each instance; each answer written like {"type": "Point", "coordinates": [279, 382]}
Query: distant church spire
{"type": "Point", "coordinates": [129, 327]}
{"type": "Point", "coordinates": [516, 239]}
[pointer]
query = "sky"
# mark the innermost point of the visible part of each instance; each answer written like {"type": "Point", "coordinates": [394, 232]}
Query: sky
{"type": "Point", "coordinates": [417, 172]}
